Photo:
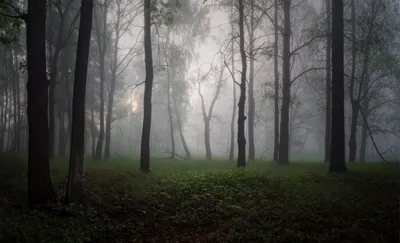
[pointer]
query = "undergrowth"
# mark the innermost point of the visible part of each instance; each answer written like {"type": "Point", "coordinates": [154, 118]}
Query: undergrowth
{"type": "Point", "coordinates": [200, 201]}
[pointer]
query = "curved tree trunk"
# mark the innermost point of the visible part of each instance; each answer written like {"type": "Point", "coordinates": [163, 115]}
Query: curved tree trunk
{"type": "Point", "coordinates": [40, 188]}
{"type": "Point", "coordinates": [178, 119]}
{"type": "Point", "coordinates": [145, 144]}
{"type": "Point", "coordinates": [74, 191]}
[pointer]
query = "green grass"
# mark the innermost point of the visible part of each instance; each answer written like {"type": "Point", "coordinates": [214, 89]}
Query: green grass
{"type": "Point", "coordinates": [200, 201]}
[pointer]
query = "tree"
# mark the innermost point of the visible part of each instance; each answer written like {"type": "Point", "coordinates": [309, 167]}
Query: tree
{"type": "Point", "coordinates": [241, 161]}
{"type": "Point", "coordinates": [123, 19]}
{"type": "Point", "coordinates": [232, 137]}
{"type": "Point", "coordinates": [145, 144]}
{"type": "Point", "coordinates": [276, 84]}
{"type": "Point", "coordinates": [328, 91]}
{"type": "Point", "coordinates": [251, 109]}
{"type": "Point", "coordinates": [337, 158]}
{"type": "Point", "coordinates": [102, 42]}
{"type": "Point", "coordinates": [74, 190]}
{"type": "Point", "coordinates": [40, 188]}
{"type": "Point", "coordinates": [284, 129]}
{"type": "Point", "coordinates": [207, 115]}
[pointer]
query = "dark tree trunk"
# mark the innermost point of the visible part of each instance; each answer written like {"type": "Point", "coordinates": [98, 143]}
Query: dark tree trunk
{"type": "Point", "coordinates": [145, 143]}
{"type": "Point", "coordinates": [284, 129]}
{"type": "Point", "coordinates": [14, 62]}
{"type": "Point", "coordinates": [241, 161]}
{"type": "Point", "coordinates": [251, 109]}
{"type": "Point", "coordinates": [328, 91]}
{"type": "Point", "coordinates": [18, 107]}
{"type": "Point", "coordinates": [337, 158]}
{"type": "Point", "coordinates": [232, 138]}
{"type": "Point", "coordinates": [74, 190]}
{"type": "Point", "coordinates": [353, 130]}
{"type": "Point", "coordinates": [276, 86]}
{"type": "Point", "coordinates": [40, 188]}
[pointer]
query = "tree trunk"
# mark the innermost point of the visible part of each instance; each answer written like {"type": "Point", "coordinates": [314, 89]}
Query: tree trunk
{"type": "Point", "coordinates": [171, 124]}
{"type": "Point", "coordinates": [284, 129]}
{"type": "Point", "coordinates": [99, 147]}
{"type": "Point", "coordinates": [232, 138]}
{"type": "Point", "coordinates": [180, 129]}
{"type": "Point", "coordinates": [241, 140]}
{"type": "Point", "coordinates": [102, 51]}
{"type": "Point", "coordinates": [93, 134]}
{"type": "Point", "coordinates": [207, 142]}
{"type": "Point", "coordinates": [364, 131]}
{"type": "Point", "coordinates": [337, 158]}
{"type": "Point", "coordinates": [145, 143]}
{"type": "Point", "coordinates": [353, 130]}
{"type": "Point", "coordinates": [61, 135]}
{"type": "Point", "coordinates": [251, 87]}
{"type": "Point", "coordinates": [14, 63]}
{"type": "Point", "coordinates": [113, 82]}
{"type": "Point", "coordinates": [328, 91]}
{"type": "Point", "coordinates": [40, 188]}
{"type": "Point", "coordinates": [74, 190]}
{"type": "Point", "coordinates": [276, 86]}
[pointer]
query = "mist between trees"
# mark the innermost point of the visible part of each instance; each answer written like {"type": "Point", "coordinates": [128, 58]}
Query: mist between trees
{"type": "Point", "coordinates": [244, 81]}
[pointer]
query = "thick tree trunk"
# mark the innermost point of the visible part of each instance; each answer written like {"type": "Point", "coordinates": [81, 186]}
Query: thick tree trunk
{"type": "Point", "coordinates": [251, 110]}
{"type": "Point", "coordinates": [241, 140]}
{"type": "Point", "coordinates": [276, 86]}
{"type": "Point", "coordinates": [337, 158]}
{"type": "Point", "coordinates": [74, 190]}
{"type": "Point", "coordinates": [40, 188]}
{"type": "Point", "coordinates": [328, 91]}
{"type": "Point", "coordinates": [145, 144]}
{"type": "Point", "coordinates": [284, 129]}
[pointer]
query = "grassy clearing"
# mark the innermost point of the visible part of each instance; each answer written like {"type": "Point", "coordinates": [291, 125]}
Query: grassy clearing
{"type": "Point", "coordinates": [202, 201]}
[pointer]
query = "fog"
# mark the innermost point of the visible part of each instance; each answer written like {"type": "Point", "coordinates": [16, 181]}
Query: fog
{"type": "Point", "coordinates": [191, 43]}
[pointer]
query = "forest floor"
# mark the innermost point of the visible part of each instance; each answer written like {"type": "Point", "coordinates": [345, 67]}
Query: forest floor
{"type": "Point", "coordinates": [201, 201]}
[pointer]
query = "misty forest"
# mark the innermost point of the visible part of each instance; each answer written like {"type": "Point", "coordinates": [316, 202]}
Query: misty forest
{"type": "Point", "coordinates": [199, 120]}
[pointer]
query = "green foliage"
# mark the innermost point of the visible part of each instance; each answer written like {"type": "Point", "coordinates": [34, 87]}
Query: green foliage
{"type": "Point", "coordinates": [207, 202]}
